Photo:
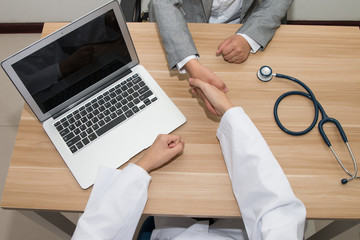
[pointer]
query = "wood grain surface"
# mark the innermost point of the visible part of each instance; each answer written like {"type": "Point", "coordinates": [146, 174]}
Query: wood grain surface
{"type": "Point", "coordinates": [327, 59]}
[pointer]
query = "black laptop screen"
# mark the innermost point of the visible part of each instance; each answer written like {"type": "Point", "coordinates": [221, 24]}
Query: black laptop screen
{"type": "Point", "coordinates": [74, 62]}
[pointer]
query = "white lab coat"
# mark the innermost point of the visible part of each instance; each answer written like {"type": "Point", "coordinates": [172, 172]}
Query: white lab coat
{"type": "Point", "coordinates": [268, 206]}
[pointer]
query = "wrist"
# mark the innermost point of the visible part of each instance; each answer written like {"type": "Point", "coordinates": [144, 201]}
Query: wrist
{"type": "Point", "coordinates": [192, 65]}
{"type": "Point", "coordinates": [225, 108]}
{"type": "Point", "coordinates": [143, 164]}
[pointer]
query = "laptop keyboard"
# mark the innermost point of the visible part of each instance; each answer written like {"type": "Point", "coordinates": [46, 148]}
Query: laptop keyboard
{"type": "Point", "coordinates": [101, 114]}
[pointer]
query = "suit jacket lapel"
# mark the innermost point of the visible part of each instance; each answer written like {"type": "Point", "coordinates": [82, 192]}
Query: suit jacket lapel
{"type": "Point", "coordinates": [207, 4]}
{"type": "Point", "coordinates": [245, 8]}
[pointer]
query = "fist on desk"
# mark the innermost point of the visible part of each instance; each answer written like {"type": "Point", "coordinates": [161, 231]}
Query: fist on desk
{"type": "Point", "coordinates": [234, 49]}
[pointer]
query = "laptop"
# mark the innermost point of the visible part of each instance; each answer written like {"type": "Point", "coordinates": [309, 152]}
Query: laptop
{"type": "Point", "coordinates": [96, 103]}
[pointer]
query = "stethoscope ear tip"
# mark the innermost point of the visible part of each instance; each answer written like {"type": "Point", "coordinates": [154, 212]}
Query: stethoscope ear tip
{"type": "Point", "coordinates": [264, 73]}
{"type": "Point", "coordinates": [344, 181]}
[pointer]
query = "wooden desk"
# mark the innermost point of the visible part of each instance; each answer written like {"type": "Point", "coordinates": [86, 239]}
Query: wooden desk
{"type": "Point", "coordinates": [327, 59]}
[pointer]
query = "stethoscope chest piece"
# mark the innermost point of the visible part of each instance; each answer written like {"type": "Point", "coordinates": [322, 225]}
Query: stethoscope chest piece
{"type": "Point", "coordinates": [265, 73]}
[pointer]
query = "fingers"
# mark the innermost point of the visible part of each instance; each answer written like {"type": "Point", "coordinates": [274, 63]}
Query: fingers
{"type": "Point", "coordinates": [174, 145]}
{"type": "Point", "coordinates": [197, 70]}
{"type": "Point", "coordinates": [199, 89]}
{"type": "Point", "coordinates": [222, 45]}
{"type": "Point", "coordinates": [217, 82]}
{"type": "Point", "coordinates": [196, 83]}
{"type": "Point", "coordinates": [217, 100]}
{"type": "Point", "coordinates": [235, 57]}
{"type": "Point", "coordinates": [235, 49]}
{"type": "Point", "coordinates": [177, 148]}
{"type": "Point", "coordinates": [207, 103]}
{"type": "Point", "coordinates": [232, 53]}
{"type": "Point", "coordinates": [173, 140]}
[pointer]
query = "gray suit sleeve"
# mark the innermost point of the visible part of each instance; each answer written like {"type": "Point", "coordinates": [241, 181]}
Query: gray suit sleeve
{"type": "Point", "coordinates": [262, 23]}
{"type": "Point", "coordinates": [177, 39]}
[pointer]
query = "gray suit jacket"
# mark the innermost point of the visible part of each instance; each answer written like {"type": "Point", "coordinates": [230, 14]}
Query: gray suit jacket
{"type": "Point", "coordinates": [260, 22]}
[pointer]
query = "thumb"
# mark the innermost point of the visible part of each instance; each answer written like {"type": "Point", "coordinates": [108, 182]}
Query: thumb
{"type": "Point", "coordinates": [194, 82]}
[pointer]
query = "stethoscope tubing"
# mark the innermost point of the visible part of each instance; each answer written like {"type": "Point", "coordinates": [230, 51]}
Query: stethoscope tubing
{"type": "Point", "coordinates": [317, 107]}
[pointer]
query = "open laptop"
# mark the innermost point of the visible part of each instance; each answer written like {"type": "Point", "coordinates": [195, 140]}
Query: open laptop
{"type": "Point", "coordinates": [96, 103]}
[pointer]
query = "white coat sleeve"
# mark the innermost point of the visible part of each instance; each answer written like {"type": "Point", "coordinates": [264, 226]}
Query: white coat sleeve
{"type": "Point", "coordinates": [268, 206]}
{"type": "Point", "coordinates": [115, 205]}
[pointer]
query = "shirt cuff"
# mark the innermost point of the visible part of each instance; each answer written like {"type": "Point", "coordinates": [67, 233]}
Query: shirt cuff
{"type": "Point", "coordinates": [182, 63]}
{"type": "Point", "coordinates": [254, 45]}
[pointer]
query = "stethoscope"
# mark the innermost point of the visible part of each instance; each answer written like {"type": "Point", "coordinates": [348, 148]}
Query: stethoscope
{"type": "Point", "coordinates": [265, 74]}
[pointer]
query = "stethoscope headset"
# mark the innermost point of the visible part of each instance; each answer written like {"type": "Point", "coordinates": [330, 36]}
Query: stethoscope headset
{"type": "Point", "coordinates": [265, 74]}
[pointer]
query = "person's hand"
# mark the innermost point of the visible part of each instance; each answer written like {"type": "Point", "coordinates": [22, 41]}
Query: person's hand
{"type": "Point", "coordinates": [234, 49]}
{"type": "Point", "coordinates": [199, 71]}
{"type": "Point", "coordinates": [218, 99]}
{"type": "Point", "coordinates": [164, 148]}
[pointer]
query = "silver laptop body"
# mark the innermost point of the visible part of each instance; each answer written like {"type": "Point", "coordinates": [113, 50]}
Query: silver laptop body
{"type": "Point", "coordinates": [97, 104]}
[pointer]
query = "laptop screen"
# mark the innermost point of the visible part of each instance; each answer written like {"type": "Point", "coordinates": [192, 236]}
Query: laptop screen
{"type": "Point", "coordinates": [74, 62]}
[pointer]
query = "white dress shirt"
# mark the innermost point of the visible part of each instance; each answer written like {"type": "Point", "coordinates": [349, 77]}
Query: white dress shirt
{"type": "Point", "coordinates": [268, 206]}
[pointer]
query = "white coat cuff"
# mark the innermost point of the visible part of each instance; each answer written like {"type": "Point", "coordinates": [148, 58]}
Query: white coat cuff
{"type": "Point", "coordinates": [106, 175]}
{"type": "Point", "coordinates": [226, 119]}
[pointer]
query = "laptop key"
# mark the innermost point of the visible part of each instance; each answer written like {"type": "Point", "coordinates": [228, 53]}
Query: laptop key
{"type": "Point", "coordinates": [129, 113]}
{"type": "Point", "coordinates": [85, 141]}
{"type": "Point", "coordinates": [146, 95]}
{"type": "Point", "coordinates": [65, 124]}
{"type": "Point", "coordinates": [101, 123]}
{"type": "Point", "coordinates": [135, 109]}
{"type": "Point", "coordinates": [77, 131]}
{"type": "Point", "coordinates": [92, 137]}
{"type": "Point", "coordinates": [83, 127]}
{"type": "Point", "coordinates": [89, 131]}
{"type": "Point", "coordinates": [79, 145]}
{"type": "Point", "coordinates": [73, 141]}
{"type": "Point", "coordinates": [136, 80]}
{"type": "Point", "coordinates": [59, 128]}
{"type": "Point", "coordinates": [143, 90]}
{"type": "Point", "coordinates": [77, 123]}
{"type": "Point", "coordinates": [68, 136]}
{"type": "Point", "coordinates": [147, 101]}
{"type": "Point", "coordinates": [83, 134]}
{"type": "Point", "coordinates": [110, 125]}
{"type": "Point", "coordinates": [107, 119]}
{"type": "Point", "coordinates": [71, 127]}
{"type": "Point", "coordinates": [73, 149]}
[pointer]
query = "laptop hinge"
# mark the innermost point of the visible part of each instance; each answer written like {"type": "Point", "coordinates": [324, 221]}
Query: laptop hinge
{"type": "Point", "coordinates": [89, 95]}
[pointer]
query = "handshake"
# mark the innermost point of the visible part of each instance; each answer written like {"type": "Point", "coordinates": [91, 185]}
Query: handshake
{"type": "Point", "coordinates": [167, 146]}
